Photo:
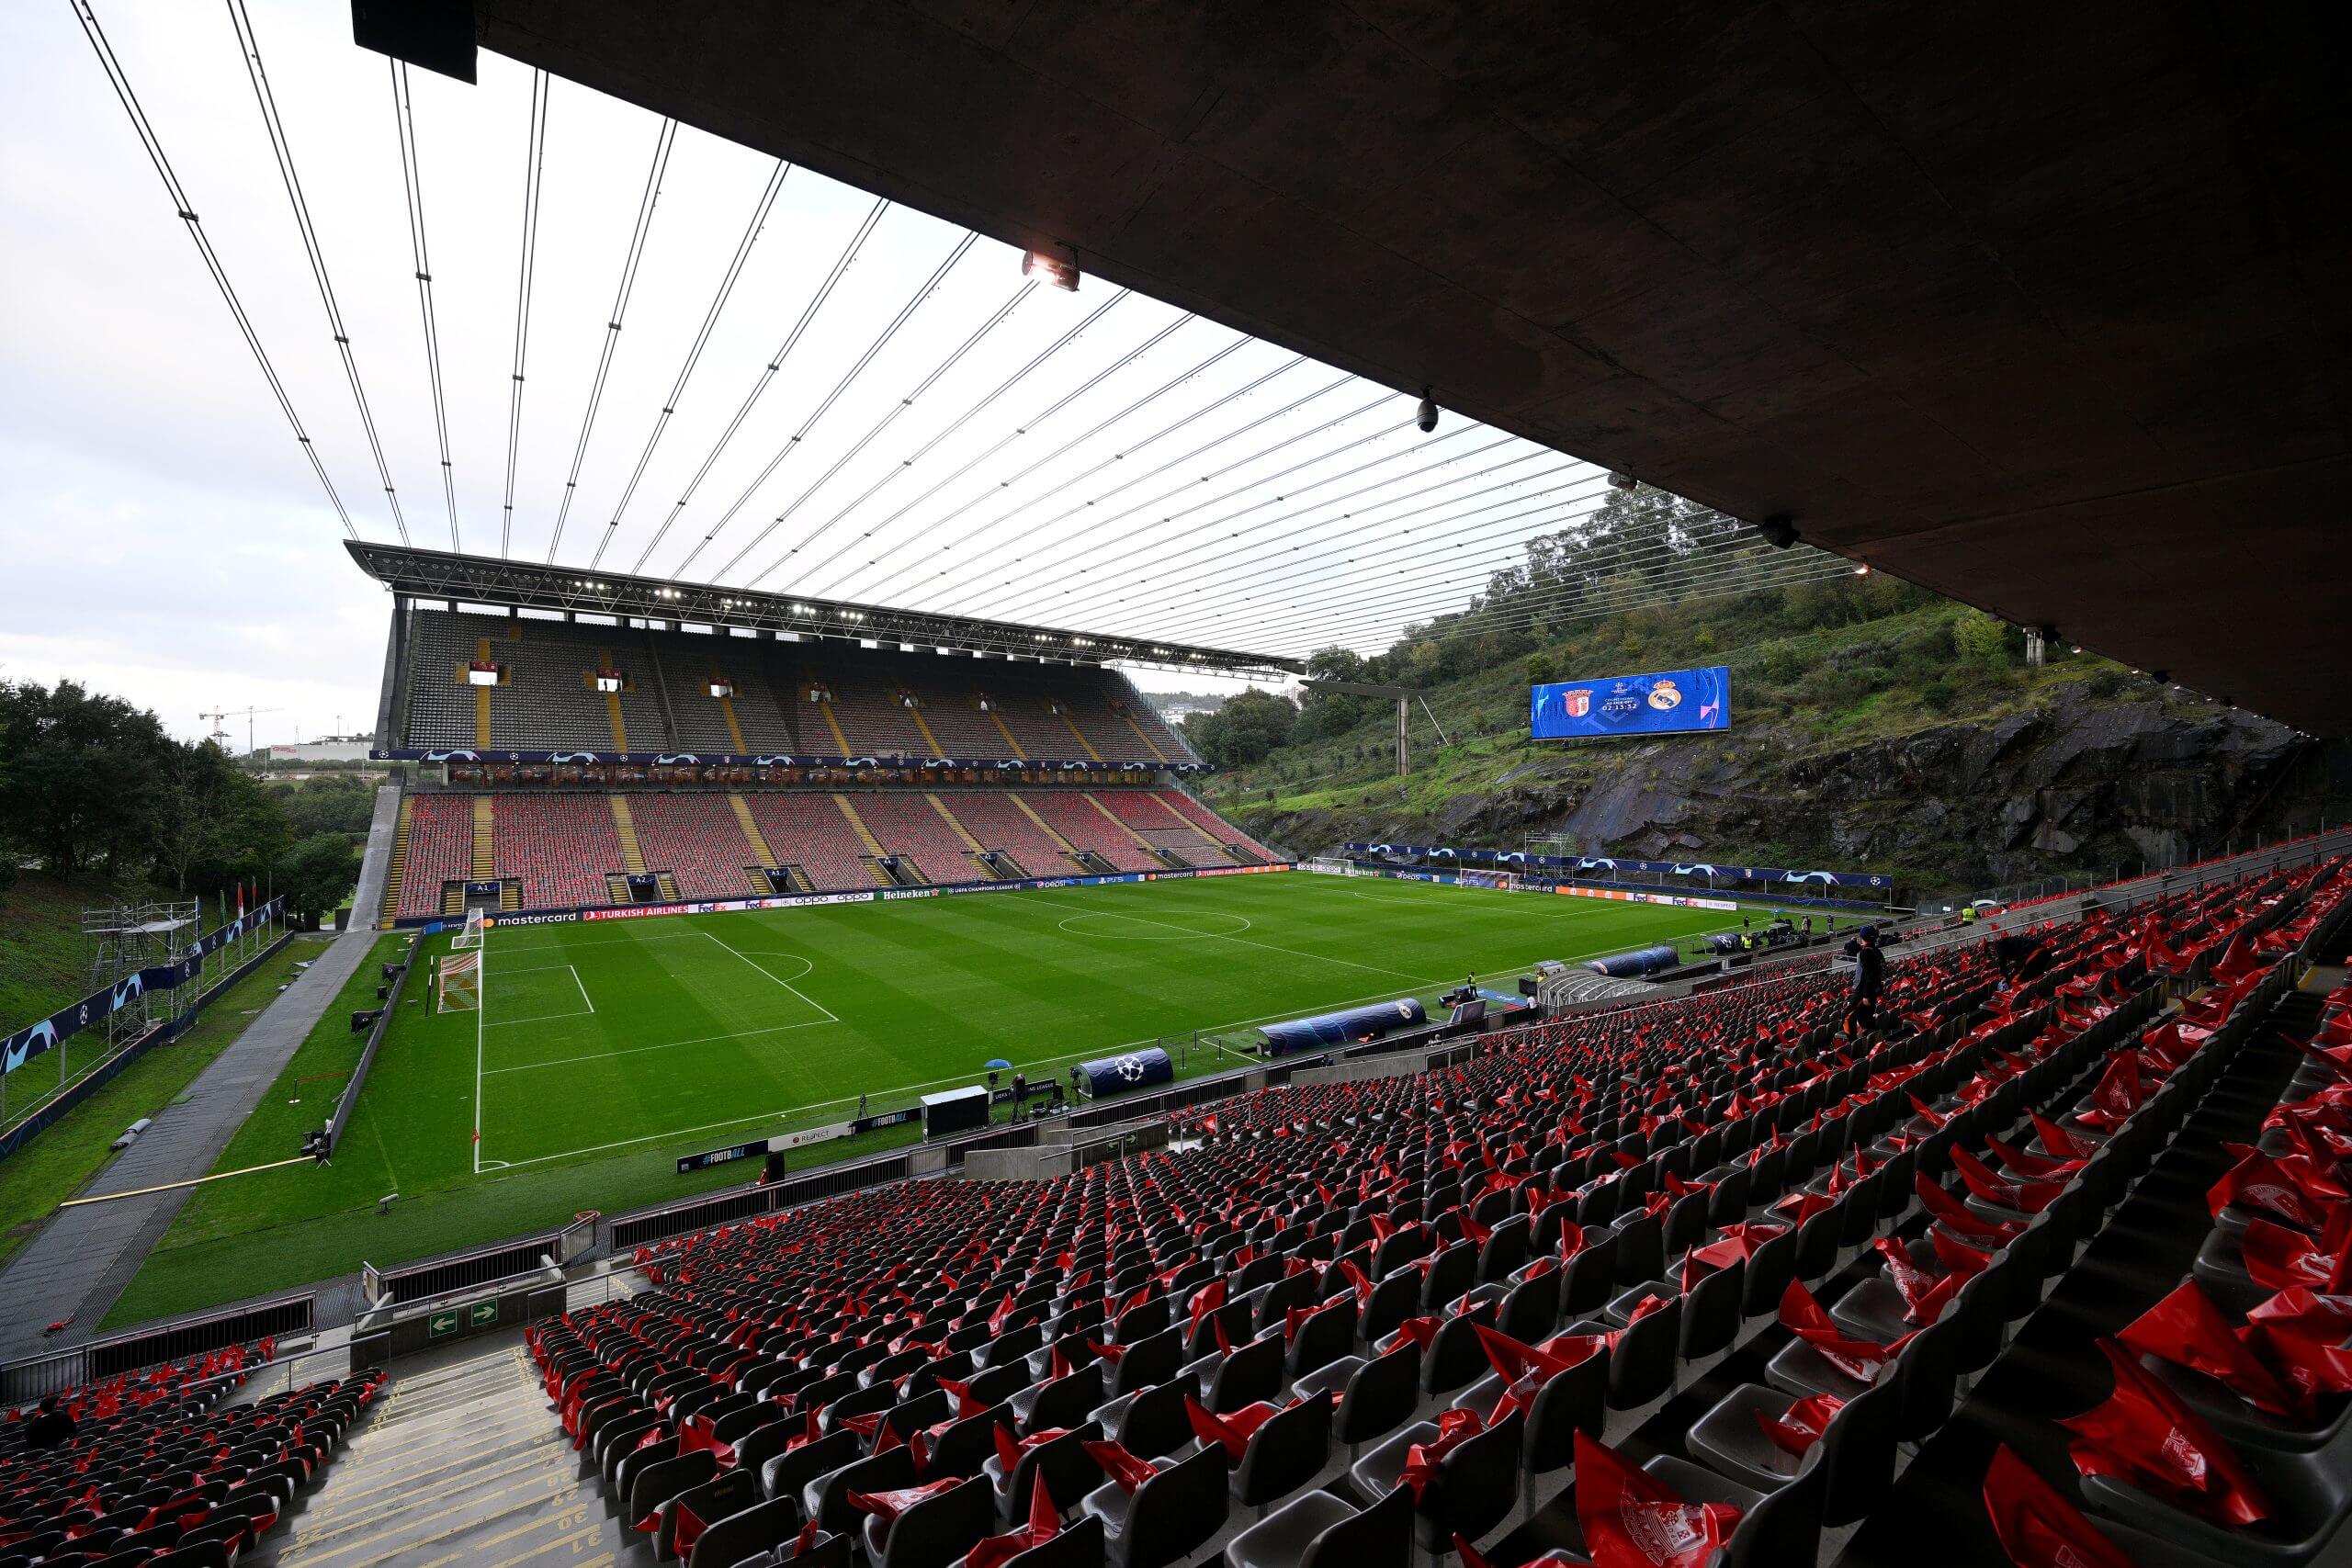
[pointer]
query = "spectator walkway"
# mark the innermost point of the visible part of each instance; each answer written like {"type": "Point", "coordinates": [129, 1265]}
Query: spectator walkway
{"type": "Point", "coordinates": [86, 1256]}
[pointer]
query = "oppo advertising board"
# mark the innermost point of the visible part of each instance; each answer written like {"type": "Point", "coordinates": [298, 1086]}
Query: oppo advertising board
{"type": "Point", "coordinates": [1663, 703]}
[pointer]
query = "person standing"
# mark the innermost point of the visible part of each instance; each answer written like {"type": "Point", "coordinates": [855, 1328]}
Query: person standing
{"type": "Point", "coordinates": [1870, 980]}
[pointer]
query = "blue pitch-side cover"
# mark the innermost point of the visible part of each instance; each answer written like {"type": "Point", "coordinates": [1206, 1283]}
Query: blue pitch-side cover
{"type": "Point", "coordinates": [1128, 1071]}
{"type": "Point", "coordinates": [1339, 1028]}
{"type": "Point", "coordinates": [1632, 705]}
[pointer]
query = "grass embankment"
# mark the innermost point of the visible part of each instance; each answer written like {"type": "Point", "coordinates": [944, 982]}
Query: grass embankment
{"type": "Point", "coordinates": [61, 1161]}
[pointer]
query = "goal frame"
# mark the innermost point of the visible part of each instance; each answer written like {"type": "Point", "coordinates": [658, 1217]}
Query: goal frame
{"type": "Point", "coordinates": [471, 937]}
{"type": "Point", "coordinates": [457, 984]}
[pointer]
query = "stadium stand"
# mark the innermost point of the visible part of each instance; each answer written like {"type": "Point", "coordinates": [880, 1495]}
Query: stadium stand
{"type": "Point", "coordinates": [697, 838]}
{"type": "Point", "coordinates": [167, 1467]}
{"type": "Point", "coordinates": [810, 830]}
{"type": "Point", "coordinates": [1460, 1299]}
{"type": "Point", "coordinates": [560, 848]}
{"type": "Point", "coordinates": [544, 700]}
{"type": "Point", "coordinates": [440, 849]}
{"type": "Point", "coordinates": [557, 851]}
{"type": "Point", "coordinates": [1225, 833]}
{"type": "Point", "coordinates": [909, 826]}
{"type": "Point", "coordinates": [1088, 827]}
{"type": "Point", "coordinates": [993, 817]}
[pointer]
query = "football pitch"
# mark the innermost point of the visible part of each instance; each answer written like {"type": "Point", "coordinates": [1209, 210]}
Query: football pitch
{"type": "Point", "coordinates": [598, 1036]}
{"type": "Point", "coordinates": [604, 1049]}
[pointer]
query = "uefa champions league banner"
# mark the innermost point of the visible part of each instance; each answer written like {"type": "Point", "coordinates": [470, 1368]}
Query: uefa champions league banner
{"type": "Point", "coordinates": [1665, 703]}
{"type": "Point", "coordinates": [1601, 864]}
{"type": "Point", "coordinates": [97, 1007]}
{"type": "Point", "coordinates": [782, 760]}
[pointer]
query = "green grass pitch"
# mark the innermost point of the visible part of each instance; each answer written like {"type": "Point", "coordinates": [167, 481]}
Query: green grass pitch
{"type": "Point", "coordinates": [604, 1049]}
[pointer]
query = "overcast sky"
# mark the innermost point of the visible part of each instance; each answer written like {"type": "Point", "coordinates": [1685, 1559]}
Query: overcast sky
{"type": "Point", "coordinates": [162, 537]}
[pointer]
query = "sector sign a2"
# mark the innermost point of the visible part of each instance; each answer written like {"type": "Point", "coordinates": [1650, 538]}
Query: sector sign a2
{"type": "Point", "coordinates": [1655, 704]}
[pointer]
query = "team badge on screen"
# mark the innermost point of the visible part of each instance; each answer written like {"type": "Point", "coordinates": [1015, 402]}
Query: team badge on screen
{"type": "Point", "coordinates": [1663, 697]}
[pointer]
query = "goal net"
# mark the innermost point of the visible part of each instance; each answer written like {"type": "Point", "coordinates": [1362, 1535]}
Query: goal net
{"type": "Point", "coordinates": [460, 988]}
{"type": "Point", "coordinates": [471, 935]}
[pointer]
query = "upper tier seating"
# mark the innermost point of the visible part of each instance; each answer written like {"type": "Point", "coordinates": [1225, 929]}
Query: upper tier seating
{"type": "Point", "coordinates": [560, 847]}
{"type": "Point", "coordinates": [1506, 1261]}
{"type": "Point", "coordinates": [440, 849]}
{"type": "Point", "coordinates": [909, 827]}
{"type": "Point", "coordinates": [695, 838]}
{"type": "Point", "coordinates": [808, 831]}
{"type": "Point", "coordinates": [547, 704]}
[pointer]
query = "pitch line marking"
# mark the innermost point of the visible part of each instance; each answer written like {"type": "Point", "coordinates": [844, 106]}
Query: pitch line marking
{"type": "Point", "coordinates": [830, 1017]}
{"type": "Point", "coordinates": [785, 1116]}
{"type": "Point", "coordinates": [665, 1046]}
{"type": "Point", "coordinates": [1065, 923]}
{"type": "Point", "coordinates": [1270, 947]}
{"type": "Point", "coordinates": [582, 984]}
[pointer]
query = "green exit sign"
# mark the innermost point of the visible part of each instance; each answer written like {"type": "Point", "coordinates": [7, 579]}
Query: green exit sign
{"type": "Point", "coordinates": [481, 1312]}
{"type": "Point", "coordinates": [439, 1324]}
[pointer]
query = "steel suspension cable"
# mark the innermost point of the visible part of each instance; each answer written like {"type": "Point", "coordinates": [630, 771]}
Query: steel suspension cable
{"type": "Point", "coordinates": [694, 352]}
{"type": "Point", "coordinates": [1034, 421]}
{"type": "Point", "coordinates": [1112, 520]}
{"type": "Point", "coordinates": [960, 421]}
{"type": "Point", "coordinates": [412, 188]}
{"type": "Point", "coordinates": [663, 140]}
{"type": "Point", "coordinates": [1027, 291]}
{"type": "Point", "coordinates": [1159, 562]}
{"type": "Point", "coordinates": [535, 154]}
{"type": "Point", "coordinates": [154, 147]}
{"type": "Point", "coordinates": [775, 363]}
{"type": "Point", "coordinates": [282, 149]}
{"type": "Point", "coordinates": [792, 444]}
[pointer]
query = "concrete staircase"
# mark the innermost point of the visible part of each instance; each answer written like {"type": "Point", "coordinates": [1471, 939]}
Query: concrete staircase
{"type": "Point", "coordinates": [460, 1462]}
{"type": "Point", "coordinates": [398, 862]}
{"type": "Point", "coordinates": [485, 840]}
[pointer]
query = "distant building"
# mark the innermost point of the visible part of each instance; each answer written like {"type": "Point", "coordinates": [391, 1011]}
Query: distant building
{"type": "Point", "coordinates": [329, 749]}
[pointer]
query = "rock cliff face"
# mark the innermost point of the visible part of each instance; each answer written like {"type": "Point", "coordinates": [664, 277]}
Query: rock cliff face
{"type": "Point", "coordinates": [2076, 784]}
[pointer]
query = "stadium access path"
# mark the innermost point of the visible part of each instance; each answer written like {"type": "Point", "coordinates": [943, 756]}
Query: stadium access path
{"type": "Point", "coordinates": [85, 1256]}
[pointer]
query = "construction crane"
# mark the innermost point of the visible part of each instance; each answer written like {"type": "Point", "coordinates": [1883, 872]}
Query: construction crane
{"type": "Point", "coordinates": [221, 735]}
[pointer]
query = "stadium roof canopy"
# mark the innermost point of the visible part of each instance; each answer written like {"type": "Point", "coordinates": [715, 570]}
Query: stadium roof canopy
{"type": "Point", "coordinates": [2042, 307]}
{"type": "Point", "coordinates": [525, 585]}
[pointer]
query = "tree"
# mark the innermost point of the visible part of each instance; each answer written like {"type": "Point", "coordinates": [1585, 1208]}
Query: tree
{"type": "Point", "coordinates": [79, 786]}
{"type": "Point", "coordinates": [1245, 729]}
{"type": "Point", "coordinates": [1542, 668]}
{"type": "Point", "coordinates": [1979, 638]}
{"type": "Point", "coordinates": [317, 873]}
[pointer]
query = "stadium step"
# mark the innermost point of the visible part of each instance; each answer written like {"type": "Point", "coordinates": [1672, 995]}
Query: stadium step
{"type": "Point", "coordinates": [954, 826]}
{"type": "Point", "coordinates": [399, 868]}
{"type": "Point", "coordinates": [617, 885]}
{"type": "Point", "coordinates": [457, 1463]}
{"type": "Point", "coordinates": [1076, 734]}
{"type": "Point", "coordinates": [485, 845]}
{"type": "Point", "coordinates": [625, 826]}
{"type": "Point", "coordinates": [510, 897]}
{"type": "Point", "coordinates": [482, 694]}
{"type": "Point", "coordinates": [752, 834]}
{"type": "Point", "coordinates": [1045, 828]}
{"type": "Point", "coordinates": [857, 825]}
{"type": "Point", "coordinates": [669, 887]}
{"type": "Point", "coordinates": [1012, 745]}
{"type": "Point", "coordinates": [613, 704]}
{"type": "Point", "coordinates": [453, 899]}
{"type": "Point", "coordinates": [924, 730]}
{"type": "Point", "coordinates": [1149, 745]}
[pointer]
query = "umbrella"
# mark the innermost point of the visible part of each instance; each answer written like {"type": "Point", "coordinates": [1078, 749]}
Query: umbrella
{"type": "Point", "coordinates": [997, 1065]}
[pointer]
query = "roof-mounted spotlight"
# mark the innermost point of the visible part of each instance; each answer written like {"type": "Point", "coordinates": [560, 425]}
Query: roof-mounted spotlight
{"type": "Point", "coordinates": [1619, 480]}
{"type": "Point", "coordinates": [1426, 415]}
{"type": "Point", "coordinates": [1054, 266]}
{"type": "Point", "coordinates": [1779, 531]}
